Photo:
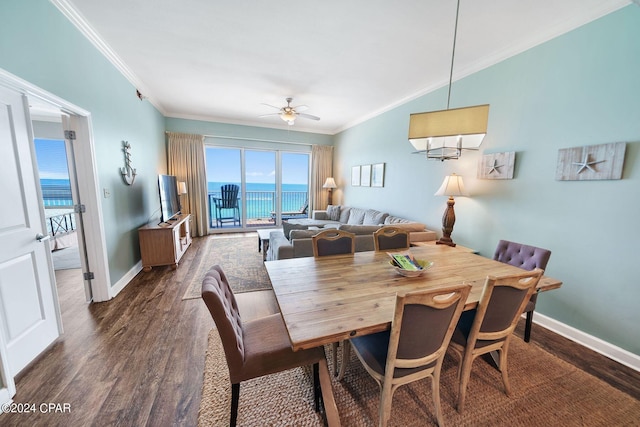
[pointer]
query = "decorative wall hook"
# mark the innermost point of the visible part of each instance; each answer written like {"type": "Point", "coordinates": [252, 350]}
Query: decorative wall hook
{"type": "Point", "coordinates": [128, 172]}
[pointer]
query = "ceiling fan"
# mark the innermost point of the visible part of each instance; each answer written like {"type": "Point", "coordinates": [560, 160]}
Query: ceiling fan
{"type": "Point", "coordinates": [289, 113]}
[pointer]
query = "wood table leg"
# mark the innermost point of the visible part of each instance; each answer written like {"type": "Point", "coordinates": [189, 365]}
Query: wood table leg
{"type": "Point", "coordinates": [330, 407]}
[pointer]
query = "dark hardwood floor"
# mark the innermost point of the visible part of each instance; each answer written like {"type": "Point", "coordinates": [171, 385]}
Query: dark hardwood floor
{"type": "Point", "coordinates": [138, 359]}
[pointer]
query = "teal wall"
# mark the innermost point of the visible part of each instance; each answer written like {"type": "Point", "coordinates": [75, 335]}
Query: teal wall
{"type": "Point", "coordinates": [582, 88]}
{"type": "Point", "coordinates": [39, 45]}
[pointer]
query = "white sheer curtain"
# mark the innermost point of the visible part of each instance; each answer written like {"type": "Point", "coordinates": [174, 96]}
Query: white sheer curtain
{"type": "Point", "coordinates": [187, 163]}
{"type": "Point", "coordinates": [321, 169]}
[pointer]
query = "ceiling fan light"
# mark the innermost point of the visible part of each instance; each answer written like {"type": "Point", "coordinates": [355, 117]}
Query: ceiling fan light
{"type": "Point", "coordinates": [288, 117]}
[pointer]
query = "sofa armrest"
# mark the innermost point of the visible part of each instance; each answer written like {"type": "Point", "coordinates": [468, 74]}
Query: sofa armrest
{"type": "Point", "coordinates": [320, 215]}
{"type": "Point", "coordinates": [279, 246]}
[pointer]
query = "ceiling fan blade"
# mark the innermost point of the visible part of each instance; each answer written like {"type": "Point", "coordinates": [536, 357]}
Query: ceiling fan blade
{"type": "Point", "coordinates": [308, 116]}
{"type": "Point", "coordinates": [301, 108]}
{"type": "Point", "coordinates": [270, 114]}
{"type": "Point", "coordinates": [272, 106]}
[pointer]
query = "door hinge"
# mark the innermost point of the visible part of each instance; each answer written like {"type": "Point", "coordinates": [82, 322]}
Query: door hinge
{"type": "Point", "coordinates": [88, 275]}
{"type": "Point", "coordinates": [70, 135]}
{"type": "Point", "coordinates": [79, 208]}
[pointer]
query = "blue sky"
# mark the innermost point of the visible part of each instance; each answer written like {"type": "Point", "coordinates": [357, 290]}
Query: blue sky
{"type": "Point", "coordinates": [52, 159]}
{"type": "Point", "coordinates": [223, 165]}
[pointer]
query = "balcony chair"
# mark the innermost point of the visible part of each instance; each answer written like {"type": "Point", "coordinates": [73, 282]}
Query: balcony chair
{"type": "Point", "coordinates": [228, 200]}
{"type": "Point", "coordinates": [302, 213]}
{"type": "Point", "coordinates": [527, 258]}
{"type": "Point", "coordinates": [335, 242]}
{"type": "Point", "coordinates": [410, 351]}
{"type": "Point", "coordinates": [387, 238]}
{"type": "Point", "coordinates": [256, 348]}
{"type": "Point", "coordinates": [490, 326]}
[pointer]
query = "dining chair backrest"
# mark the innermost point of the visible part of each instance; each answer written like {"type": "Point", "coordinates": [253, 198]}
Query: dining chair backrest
{"type": "Point", "coordinates": [388, 238]}
{"type": "Point", "coordinates": [333, 242]}
{"type": "Point", "coordinates": [523, 256]}
{"type": "Point", "coordinates": [411, 345]}
{"type": "Point", "coordinates": [501, 303]}
{"type": "Point", "coordinates": [222, 305]}
{"type": "Point", "coordinates": [229, 196]}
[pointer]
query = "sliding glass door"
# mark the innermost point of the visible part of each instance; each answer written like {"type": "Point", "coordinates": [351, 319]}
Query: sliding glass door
{"type": "Point", "coordinates": [272, 185]}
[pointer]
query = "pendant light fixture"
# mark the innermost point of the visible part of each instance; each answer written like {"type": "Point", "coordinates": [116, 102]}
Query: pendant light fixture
{"type": "Point", "coordinates": [443, 134]}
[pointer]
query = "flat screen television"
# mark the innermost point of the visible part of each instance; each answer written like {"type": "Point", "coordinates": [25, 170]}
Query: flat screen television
{"type": "Point", "coordinates": [169, 198]}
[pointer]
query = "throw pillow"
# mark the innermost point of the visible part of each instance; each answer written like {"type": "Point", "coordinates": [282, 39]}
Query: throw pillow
{"type": "Point", "coordinates": [356, 216]}
{"type": "Point", "coordinates": [374, 217]}
{"type": "Point", "coordinates": [287, 227]}
{"type": "Point", "coordinates": [333, 212]}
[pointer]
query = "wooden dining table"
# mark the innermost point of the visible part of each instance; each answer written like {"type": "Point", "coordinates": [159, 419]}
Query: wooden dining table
{"type": "Point", "coordinates": [328, 299]}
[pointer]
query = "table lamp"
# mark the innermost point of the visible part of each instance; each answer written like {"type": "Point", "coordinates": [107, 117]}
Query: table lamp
{"type": "Point", "coordinates": [451, 186]}
{"type": "Point", "coordinates": [182, 189]}
{"type": "Point", "coordinates": [330, 184]}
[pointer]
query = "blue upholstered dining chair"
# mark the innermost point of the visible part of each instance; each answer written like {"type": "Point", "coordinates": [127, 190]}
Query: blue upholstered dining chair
{"type": "Point", "coordinates": [494, 320]}
{"type": "Point", "coordinates": [410, 351]}
{"type": "Point", "coordinates": [255, 348]}
{"type": "Point", "coordinates": [528, 258]}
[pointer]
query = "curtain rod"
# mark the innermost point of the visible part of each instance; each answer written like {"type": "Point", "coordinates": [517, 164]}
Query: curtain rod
{"type": "Point", "coordinates": [254, 139]}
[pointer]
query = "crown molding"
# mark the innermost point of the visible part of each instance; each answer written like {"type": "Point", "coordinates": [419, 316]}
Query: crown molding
{"type": "Point", "coordinates": [80, 22]}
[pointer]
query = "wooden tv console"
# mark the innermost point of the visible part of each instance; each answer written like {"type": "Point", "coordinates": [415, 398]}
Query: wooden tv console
{"type": "Point", "coordinates": [164, 243]}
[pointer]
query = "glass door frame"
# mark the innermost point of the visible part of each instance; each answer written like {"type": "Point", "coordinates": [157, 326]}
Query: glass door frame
{"type": "Point", "coordinates": [243, 186]}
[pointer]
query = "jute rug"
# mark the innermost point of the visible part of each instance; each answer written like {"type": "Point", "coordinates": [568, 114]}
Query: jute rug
{"type": "Point", "coordinates": [240, 260]}
{"type": "Point", "coordinates": [546, 391]}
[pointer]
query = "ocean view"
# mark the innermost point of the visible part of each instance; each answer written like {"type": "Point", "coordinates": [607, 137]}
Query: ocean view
{"type": "Point", "coordinates": [260, 197]}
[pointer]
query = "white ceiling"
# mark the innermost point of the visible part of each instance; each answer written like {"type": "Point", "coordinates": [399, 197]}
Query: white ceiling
{"type": "Point", "coordinates": [347, 60]}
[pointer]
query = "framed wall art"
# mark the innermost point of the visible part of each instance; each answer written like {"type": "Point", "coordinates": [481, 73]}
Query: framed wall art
{"type": "Point", "coordinates": [497, 165]}
{"type": "Point", "coordinates": [355, 176]}
{"type": "Point", "coordinates": [365, 175]}
{"type": "Point", "coordinates": [377, 175]}
{"type": "Point", "coordinates": [591, 162]}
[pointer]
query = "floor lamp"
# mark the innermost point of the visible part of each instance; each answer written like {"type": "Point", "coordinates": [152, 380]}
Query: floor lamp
{"type": "Point", "coordinates": [451, 186]}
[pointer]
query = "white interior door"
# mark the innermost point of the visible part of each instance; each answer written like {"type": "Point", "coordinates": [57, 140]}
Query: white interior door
{"type": "Point", "coordinates": [29, 313]}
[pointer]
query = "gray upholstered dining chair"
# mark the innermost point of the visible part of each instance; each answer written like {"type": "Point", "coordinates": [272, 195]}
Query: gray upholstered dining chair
{"type": "Point", "coordinates": [333, 242]}
{"type": "Point", "coordinates": [526, 257]}
{"type": "Point", "coordinates": [387, 238]}
{"type": "Point", "coordinates": [491, 325]}
{"type": "Point", "coordinates": [255, 348]}
{"type": "Point", "coordinates": [410, 351]}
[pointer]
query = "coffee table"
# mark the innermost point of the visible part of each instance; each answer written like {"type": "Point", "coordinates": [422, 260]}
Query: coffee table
{"type": "Point", "coordinates": [263, 240]}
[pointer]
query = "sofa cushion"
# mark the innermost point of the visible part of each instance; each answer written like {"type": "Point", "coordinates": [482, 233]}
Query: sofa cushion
{"type": "Point", "coordinates": [356, 216]}
{"type": "Point", "coordinates": [374, 217]}
{"type": "Point", "coordinates": [302, 234]}
{"type": "Point", "coordinates": [360, 229]}
{"type": "Point", "coordinates": [288, 226]}
{"type": "Point", "coordinates": [344, 214]}
{"type": "Point", "coordinates": [333, 212]}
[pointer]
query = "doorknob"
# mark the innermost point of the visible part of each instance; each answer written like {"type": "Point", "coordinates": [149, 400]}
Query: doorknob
{"type": "Point", "coordinates": [41, 237]}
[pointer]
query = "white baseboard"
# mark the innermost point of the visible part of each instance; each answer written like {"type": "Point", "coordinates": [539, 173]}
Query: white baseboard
{"type": "Point", "coordinates": [124, 280]}
{"type": "Point", "coordinates": [609, 350]}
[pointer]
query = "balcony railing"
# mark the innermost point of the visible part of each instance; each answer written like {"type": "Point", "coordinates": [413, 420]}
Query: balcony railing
{"type": "Point", "coordinates": [61, 223]}
{"type": "Point", "coordinates": [261, 207]}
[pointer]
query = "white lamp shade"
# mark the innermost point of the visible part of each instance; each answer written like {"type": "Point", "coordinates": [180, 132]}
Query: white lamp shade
{"type": "Point", "coordinates": [330, 183]}
{"type": "Point", "coordinates": [451, 186]}
{"type": "Point", "coordinates": [182, 187]}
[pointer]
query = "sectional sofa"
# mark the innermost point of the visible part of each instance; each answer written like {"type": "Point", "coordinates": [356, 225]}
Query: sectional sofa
{"type": "Point", "coordinates": [294, 240]}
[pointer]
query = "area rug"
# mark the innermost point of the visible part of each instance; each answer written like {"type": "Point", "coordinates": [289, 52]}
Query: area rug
{"type": "Point", "coordinates": [546, 391]}
{"type": "Point", "coordinates": [240, 260]}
